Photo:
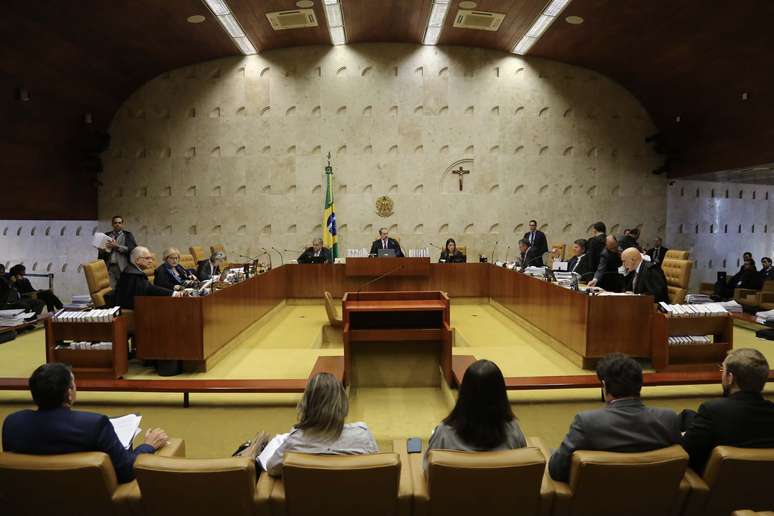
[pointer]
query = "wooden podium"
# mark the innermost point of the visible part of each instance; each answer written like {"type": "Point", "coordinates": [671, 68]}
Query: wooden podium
{"type": "Point", "coordinates": [397, 318]}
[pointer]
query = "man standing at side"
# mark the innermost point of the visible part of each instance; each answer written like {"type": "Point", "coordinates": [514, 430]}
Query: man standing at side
{"type": "Point", "coordinates": [596, 244]}
{"type": "Point", "coordinates": [385, 242]}
{"type": "Point", "coordinates": [643, 277]}
{"type": "Point", "coordinates": [606, 276]}
{"type": "Point", "coordinates": [625, 424]}
{"type": "Point", "coordinates": [56, 429]}
{"type": "Point", "coordinates": [741, 418]}
{"type": "Point", "coordinates": [537, 242]}
{"type": "Point", "coordinates": [116, 254]}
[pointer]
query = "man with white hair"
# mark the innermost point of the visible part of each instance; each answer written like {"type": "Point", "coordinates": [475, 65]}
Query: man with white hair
{"type": "Point", "coordinates": [643, 277]}
{"type": "Point", "coordinates": [134, 282]}
{"type": "Point", "coordinates": [316, 254]}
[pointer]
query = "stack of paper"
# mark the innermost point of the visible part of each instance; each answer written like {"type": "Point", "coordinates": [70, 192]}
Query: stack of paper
{"type": "Point", "coordinates": [765, 316]}
{"type": "Point", "coordinates": [703, 310]}
{"type": "Point", "coordinates": [689, 339]}
{"type": "Point", "coordinates": [697, 299]}
{"type": "Point", "coordinates": [98, 315]}
{"type": "Point", "coordinates": [127, 427]}
{"type": "Point", "coordinates": [270, 448]}
{"type": "Point", "coordinates": [732, 306]}
{"type": "Point", "coordinates": [15, 317]}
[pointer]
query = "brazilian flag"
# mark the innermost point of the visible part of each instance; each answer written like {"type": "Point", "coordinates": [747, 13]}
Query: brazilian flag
{"type": "Point", "coordinates": [329, 215]}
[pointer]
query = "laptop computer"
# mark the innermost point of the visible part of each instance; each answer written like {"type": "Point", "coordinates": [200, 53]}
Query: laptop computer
{"type": "Point", "coordinates": [385, 253]}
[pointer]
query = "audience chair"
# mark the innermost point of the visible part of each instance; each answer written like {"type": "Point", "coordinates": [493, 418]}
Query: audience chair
{"type": "Point", "coordinates": [187, 262]}
{"type": "Point", "coordinates": [198, 253]}
{"type": "Point", "coordinates": [497, 483]}
{"type": "Point", "coordinates": [678, 276]}
{"type": "Point", "coordinates": [746, 296]}
{"type": "Point", "coordinates": [73, 484]}
{"type": "Point", "coordinates": [98, 281]}
{"type": "Point", "coordinates": [199, 487]}
{"type": "Point", "coordinates": [677, 254]}
{"type": "Point", "coordinates": [745, 512]}
{"type": "Point", "coordinates": [333, 313]}
{"type": "Point", "coordinates": [766, 296]}
{"type": "Point", "coordinates": [336, 485]}
{"type": "Point", "coordinates": [733, 478]}
{"type": "Point", "coordinates": [636, 484]}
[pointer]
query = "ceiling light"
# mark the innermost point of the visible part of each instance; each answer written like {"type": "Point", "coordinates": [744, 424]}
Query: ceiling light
{"type": "Point", "coordinates": [435, 22]}
{"type": "Point", "coordinates": [304, 4]}
{"type": "Point", "coordinates": [231, 26]}
{"type": "Point", "coordinates": [245, 46]}
{"type": "Point", "coordinates": [196, 18]}
{"type": "Point", "coordinates": [467, 5]}
{"type": "Point", "coordinates": [335, 22]}
{"type": "Point", "coordinates": [574, 20]}
{"type": "Point", "coordinates": [539, 27]}
{"type": "Point", "coordinates": [218, 7]}
{"type": "Point", "coordinates": [223, 14]}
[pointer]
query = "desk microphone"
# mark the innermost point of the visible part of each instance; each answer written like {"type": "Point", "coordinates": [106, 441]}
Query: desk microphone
{"type": "Point", "coordinates": [282, 258]}
{"type": "Point", "coordinates": [267, 253]}
{"type": "Point", "coordinates": [491, 260]}
{"type": "Point", "coordinates": [507, 249]}
{"type": "Point", "coordinates": [436, 246]}
{"type": "Point", "coordinates": [364, 285]}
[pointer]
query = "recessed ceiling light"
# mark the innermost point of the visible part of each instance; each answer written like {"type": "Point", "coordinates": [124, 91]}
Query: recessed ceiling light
{"type": "Point", "coordinates": [304, 4]}
{"type": "Point", "coordinates": [467, 5]}
{"type": "Point", "coordinates": [335, 22]}
{"type": "Point", "coordinates": [574, 20]}
{"type": "Point", "coordinates": [230, 25]}
{"type": "Point", "coordinates": [196, 18]}
{"type": "Point", "coordinates": [435, 21]}
{"type": "Point", "coordinates": [540, 25]}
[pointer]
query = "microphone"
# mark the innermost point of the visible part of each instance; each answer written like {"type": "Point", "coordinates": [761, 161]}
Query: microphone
{"type": "Point", "coordinates": [436, 246]}
{"type": "Point", "coordinates": [507, 249]}
{"type": "Point", "coordinates": [267, 253]}
{"type": "Point", "coordinates": [491, 260]}
{"type": "Point", "coordinates": [364, 285]}
{"type": "Point", "coordinates": [282, 258]}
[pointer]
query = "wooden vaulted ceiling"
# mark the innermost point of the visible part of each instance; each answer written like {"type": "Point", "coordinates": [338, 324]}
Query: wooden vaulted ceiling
{"type": "Point", "coordinates": [690, 59]}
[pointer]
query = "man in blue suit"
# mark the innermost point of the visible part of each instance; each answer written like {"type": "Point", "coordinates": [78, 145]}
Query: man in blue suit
{"type": "Point", "coordinates": [56, 429]}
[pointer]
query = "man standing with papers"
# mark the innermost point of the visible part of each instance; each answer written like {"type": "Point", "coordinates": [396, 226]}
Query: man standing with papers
{"type": "Point", "coordinates": [55, 428]}
{"type": "Point", "coordinates": [117, 249]}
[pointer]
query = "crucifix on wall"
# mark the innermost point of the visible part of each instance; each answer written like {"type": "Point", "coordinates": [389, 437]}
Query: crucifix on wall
{"type": "Point", "coordinates": [460, 172]}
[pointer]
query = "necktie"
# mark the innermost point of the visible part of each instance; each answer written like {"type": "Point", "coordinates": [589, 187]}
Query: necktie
{"type": "Point", "coordinates": [532, 238]}
{"type": "Point", "coordinates": [634, 282]}
{"type": "Point", "coordinates": [655, 258]}
{"type": "Point", "coordinates": [384, 244]}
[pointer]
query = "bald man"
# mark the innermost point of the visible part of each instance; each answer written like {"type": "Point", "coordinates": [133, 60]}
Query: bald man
{"type": "Point", "coordinates": [643, 277]}
{"type": "Point", "coordinates": [134, 282]}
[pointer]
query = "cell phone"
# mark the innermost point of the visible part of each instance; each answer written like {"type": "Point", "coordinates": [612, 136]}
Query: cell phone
{"type": "Point", "coordinates": [413, 445]}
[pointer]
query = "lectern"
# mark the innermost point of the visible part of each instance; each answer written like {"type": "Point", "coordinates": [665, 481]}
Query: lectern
{"type": "Point", "coordinates": [397, 318]}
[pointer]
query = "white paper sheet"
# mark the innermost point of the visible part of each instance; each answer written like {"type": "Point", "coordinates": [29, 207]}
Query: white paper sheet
{"type": "Point", "coordinates": [100, 240]}
{"type": "Point", "coordinates": [270, 448]}
{"type": "Point", "coordinates": [127, 427]}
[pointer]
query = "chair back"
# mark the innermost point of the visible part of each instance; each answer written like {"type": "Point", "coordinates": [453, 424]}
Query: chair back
{"type": "Point", "coordinates": [768, 286]}
{"type": "Point", "coordinates": [496, 483]}
{"type": "Point", "coordinates": [151, 271]}
{"type": "Point", "coordinates": [196, 487]}
{"type": "Point", "coordinates": [635, 484]}
{"type": "Point", "coordinates": [333, 485]}
{"type": "Point", "coordinates": [557, 252]}
{"type": "Point", "coordinates": [98, 281]}
{"type": "Point", "coordinates": [330, 308]}
{"type": "Point", "coordinates": [463, 249]}
{"type": "Point", "coordinates": [73, 484]}
{"type": "Point", "coordinates": [678, 276]}
{"type": "Point", "coordinates": [677, 254]}
{"type": "Point", "coordinates": [739, 478]}
{"type": "Point", "coordinates": [217, 248]}
{"type": "Point", "coordinates": [198, 253]}
{"type": "Point", "coordinates": [187, 261]}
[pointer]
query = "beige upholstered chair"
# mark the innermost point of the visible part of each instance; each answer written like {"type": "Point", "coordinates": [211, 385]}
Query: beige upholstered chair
{"type": "Point", "coordinates": [750, 297]}
{"type": "Point", "coordinates": [677, 254]}
{"type": "Point", "coordinates": [733, 478]}
{"type": "Point", "coordinates": [745, 512]}
{"type": "Point", "coordinates": [678, 276]}
{"type": "Point", "coordinates": [98, 281]}
{"type": "Point", "coordinates": [766, 296]}
{"type": "Point", "coordinates": [557, 252]}
{"type": "Point", "coordinates": [187, 262]}
{"type": "Point", "coordinates": [198, 253]}
{"type": "Point", "coordinates": [150, 272]}
{"type": "Point", "coordinates": [338, 485]}
{"type": "Point", "coordinates": [636, 484]}
{"type": "Point", "coordinates": [199, 487]}
{"type": "Point", "coordinates": [73, 484]}
{"type": "Point", "coordinates": [498, 483]}
{"type": "Point", "coordinates": [217, 248]}
{"type": "Point", "coordinates": [333, 313]}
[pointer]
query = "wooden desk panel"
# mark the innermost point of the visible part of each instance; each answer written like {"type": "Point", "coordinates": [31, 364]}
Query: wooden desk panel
{"type": "Point", "coordinates": [395, 266]}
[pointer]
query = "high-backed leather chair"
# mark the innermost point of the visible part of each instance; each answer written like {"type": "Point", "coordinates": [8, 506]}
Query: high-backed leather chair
{"type": "Point", "coordinates": [678, 276]}
{"type": "Point", "coordinates": [150, 272]}
{"type": "Point", "coordinates": [497, 483]}
{"type": "Point", "coordinates": [98, 281]}
{"type": "Point", "coordinates": [337, 485]}
{"type": "Point", "coordinates": [333, 314]}
{"type": "Point", "coordinates": [734, 478]}
{"type": "Point", "coordinates": [217, 248]}
{"type": "Point", "coordinates": [187, 261]}
{"type": "Point", "coordinates": [73, 484]}
{"type": "Point", "coordinates": [677, 254]}
{"type": "Point", "coordinates": [463, 249]}
{"type": "Point", "coordinates": [636, 484]}
{"type": "Point", "coordinates": [198, 253]}
{"type": "Point", "coordinates": [557, 252]}
{"type": "Point", "coordinates": [199, 487]}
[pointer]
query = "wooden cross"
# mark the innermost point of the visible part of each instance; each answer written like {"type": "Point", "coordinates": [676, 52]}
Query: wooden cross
{"type": "Point", "coordinates": [461, 172]}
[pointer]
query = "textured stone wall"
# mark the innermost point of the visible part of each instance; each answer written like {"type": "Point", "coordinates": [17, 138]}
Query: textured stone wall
{"type": "Point", "coordinates": [232, 151]}
{"type": "Point", "coordinates": [717, 222]}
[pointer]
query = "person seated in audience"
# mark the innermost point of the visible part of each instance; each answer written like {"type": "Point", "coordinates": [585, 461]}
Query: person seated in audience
{"type": "Point", "coordinates": [767, 271]}
{"type": "Point", "coordinates": [171, 274]}
{"type": "Point", "coordinates": [25, 288]}
{"type": "Point", "coordinates": [596, 244]}
{"type": "Point", "coordinates": [528, 256]}
{"type": "Point", "coordinates": [385, 242]}
{"type": "Point", "coordinates": [481, 419]}
{"type": "Point", "coordinates": [629, 239]}
{"type": "Point", "coordinates": [606, 276]}
{"type": "Point", "coordinates": [657, 252]}
{"type": "Point", "coordinates": [747, 255]}
{"type": "Point", "coordinates": [643, 277]}
{"type": "Point", "coordinates": [54, 428]}
{"type": "Point", "coordinates": [747, 278]}
{"type": "Point", "coordinates": [321, 428]}
{"type": "Point", "coordinates": [742, 417]}
{"type": "Point", "coordinates": [625, 424]}
{"type": "Point", "coordinates": [12, 299]}
{"type": "Point", "coordinates": [451, 254]}
{"type": "Point", "coordinates": [316, 254]}
{"type": "Point", "coordinates": [134, 282]}
{"type": "Point", "coordinates": [580, 263]}
{"type": "Point", "coordinates": [211, 268]}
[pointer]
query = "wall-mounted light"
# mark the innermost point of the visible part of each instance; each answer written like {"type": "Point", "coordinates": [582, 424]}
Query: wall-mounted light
{"type": "Point", "coordinates": [22, 94]}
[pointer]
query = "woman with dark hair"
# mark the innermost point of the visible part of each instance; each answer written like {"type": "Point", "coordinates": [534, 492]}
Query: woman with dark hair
{"type": "Point", "coordinates": [451, 254]}
{"type": "Point", "coordinates": [482, 419]}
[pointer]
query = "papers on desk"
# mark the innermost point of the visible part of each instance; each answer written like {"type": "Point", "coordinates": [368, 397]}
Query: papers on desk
{"type": "Point", "coordinates": [559, 265]}
{"type": "Point", "coordinates": [703, 310]}
{"type": "Point", "coordinates": [127, 427]}
{"type": "Point", "coordinates": [100, 241]}
{"type": "Point", "coordinates": [15, 317]}
{"type": "Point", "coordinates": [271, 447]}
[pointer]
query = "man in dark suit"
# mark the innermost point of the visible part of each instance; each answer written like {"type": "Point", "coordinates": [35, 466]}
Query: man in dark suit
{"type": "Point", "coordinates": [596, 244]}
{"type": "Point", "coordinates": [528, 256]}
{"type": "Point", "coordinates": [606, 276]}
{"type": "Point", "coordinates": [643, 277]}
{"type": "Point", "coordinates": [741, 418]}
{"type": "Point", "coordinates": [56, 429]}
{"type": "Point", "coordinates": [385, 242]}
{"type": "Point", "coordinates": [629, 239]}
{"type": "Point", "coordinates": [767, 271]}
{"type": "Point", "coordinates": [134, 282]}
{"type": "Point", "coordinates": [211, 268]}
{"type": "Point", "coordinates": [657, 253]}
{"type": "Point", "coordinates": [625, 424]}
{"type": "Point", "coordinates": [536, 239]}
{"type": "Point", "coordinates": [579, 263]}
{"type": "Point", "coordinates": [316, 254]}
{"type": "Point", "coordinates": [116, 254]}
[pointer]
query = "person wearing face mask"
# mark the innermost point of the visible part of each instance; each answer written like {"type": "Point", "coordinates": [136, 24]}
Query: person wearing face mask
{"type": "Point", "coordinates": [742, 417]}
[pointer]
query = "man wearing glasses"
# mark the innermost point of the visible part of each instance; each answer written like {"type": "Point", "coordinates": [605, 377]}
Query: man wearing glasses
{"type": "Point", "coordinates": [134, 282]}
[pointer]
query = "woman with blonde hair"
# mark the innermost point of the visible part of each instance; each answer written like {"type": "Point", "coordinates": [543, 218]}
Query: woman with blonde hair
{"type": "Point", "coordinates": [170, 273]}
{"type": "Point", "coordinates": [321, 428]}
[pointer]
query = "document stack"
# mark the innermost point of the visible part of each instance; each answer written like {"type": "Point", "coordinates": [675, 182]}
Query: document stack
{"type": "Point", "coordinates": [732, 306]}
{"type": "Point", "coordinates": [79, 302]}
{"type": "Point", "coordinates": [357, 253]}
{"type": "Point", "coordinates": [705, 310]}
{"type": "Point", "coordinates": [87, 345]}
{"type": "Point", "coordinates": [689, 339]}
{"type": "Point", "coordinates": [697, 299]}
{"type": "Point", "coordinates": [87, 316]}
{"type": "Point", "coordinates": [419, 253]}
{"type": "Point", "coordinates": [15, 317]}
{"type": "Point", "coordinates": [765, 317]}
